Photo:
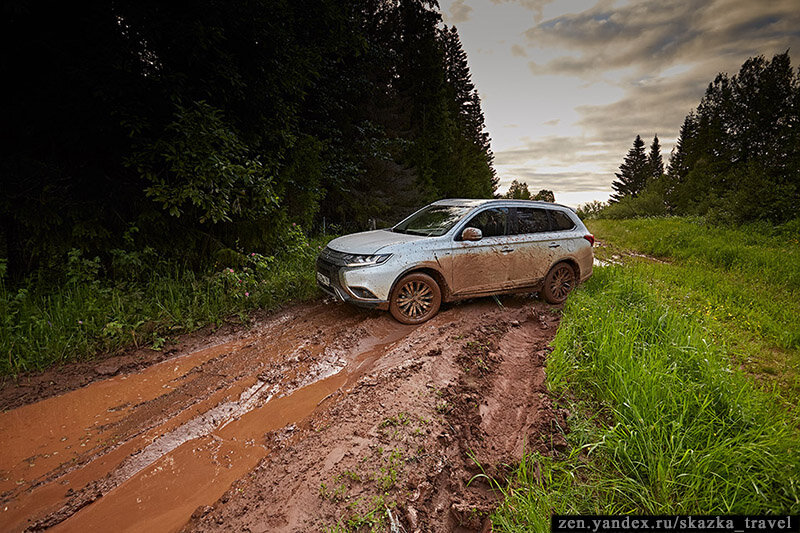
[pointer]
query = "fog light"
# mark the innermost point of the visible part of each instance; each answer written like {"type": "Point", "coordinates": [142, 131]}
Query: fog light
{"type": "Point", "coordinates": [364, 294]}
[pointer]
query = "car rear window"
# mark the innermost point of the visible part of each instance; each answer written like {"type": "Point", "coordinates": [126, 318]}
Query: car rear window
{"type": "Point", "coordinates": [561, 221]}
{"type": "Point", "coordinates": [532, 220]}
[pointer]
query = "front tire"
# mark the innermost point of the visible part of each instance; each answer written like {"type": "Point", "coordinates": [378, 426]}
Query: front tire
{"type": "Point", "coordinates": [558, 283]}
{"type": "Point", "coordinates": [415, 299]}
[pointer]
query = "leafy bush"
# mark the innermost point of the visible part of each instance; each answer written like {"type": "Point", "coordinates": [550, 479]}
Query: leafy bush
{"type": "Point", "coordinates": [650, 203]}
{"type": "Point", "coordinates": [42, 325]}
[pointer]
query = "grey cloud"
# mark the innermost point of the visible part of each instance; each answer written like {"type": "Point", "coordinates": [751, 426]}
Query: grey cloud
{"type": "Point", "coordinates": [561, 181]}
{"type": "Point", "coordinates": [630, 47]}
{"type": "Point", "coordinates": [534, 5]}
{"type": "Point", "coordinates": [654, 35]}
{"type": "Point", "coordinates": [566, 150]}
{"type": "Point", "coordinates": [657, 107]}
{"type": "Point", "coordinates": [518, 51]}
{"type": "Point", "coordinates": [460, 11]}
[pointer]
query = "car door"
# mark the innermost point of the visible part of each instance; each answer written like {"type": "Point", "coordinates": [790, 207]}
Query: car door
{"type": "Point", "coordinates": [483, 265]}
{"type": "Point", "coordinates": [535, 245]}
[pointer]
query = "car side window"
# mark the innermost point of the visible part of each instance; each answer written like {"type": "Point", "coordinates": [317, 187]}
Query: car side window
{"type": "Point", "coordinates": [561, 221]}
{"type": "Point", "coordinates": [491, 222]}
{"type": "Point", "coordinates": [532, 220]}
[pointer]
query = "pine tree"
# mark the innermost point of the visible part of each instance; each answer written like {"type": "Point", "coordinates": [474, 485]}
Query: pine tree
{"type": "Point", "coordinates": [679, 158]}
{"type": "Point", "coordinates": [633, 174]}
{"type": "Point", "coordinates": [655, 162]}
{"type": "Point", "coordinates": [475, 154]}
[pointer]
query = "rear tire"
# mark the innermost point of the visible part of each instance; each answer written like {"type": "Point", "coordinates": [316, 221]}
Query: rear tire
{"type": "Point", "coordinates": [558, 283]}
{"type": "Point", "coordinates": [415, 299]}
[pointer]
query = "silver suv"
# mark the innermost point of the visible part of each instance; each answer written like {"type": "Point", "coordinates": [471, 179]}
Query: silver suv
{"type": "Point", "coordinates": [454, 249]}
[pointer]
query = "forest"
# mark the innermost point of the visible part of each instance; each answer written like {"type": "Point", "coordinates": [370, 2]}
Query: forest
{"type": "Point", "coordinates": [144, 133]}
{"type": "Point", "coordinates": [737, 156]}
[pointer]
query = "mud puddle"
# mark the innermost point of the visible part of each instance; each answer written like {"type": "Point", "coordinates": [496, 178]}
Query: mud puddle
{"type": "Point", "coordinates": [146, 449]}
{"type": "Point", "coordinates": [317, 416]}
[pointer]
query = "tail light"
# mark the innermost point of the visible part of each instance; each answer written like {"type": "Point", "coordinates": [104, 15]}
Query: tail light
{"type": "Point", "coordinates": [589, 237]}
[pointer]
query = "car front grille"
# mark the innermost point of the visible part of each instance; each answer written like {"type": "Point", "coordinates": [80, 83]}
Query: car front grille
{"type": "Point", "coordinates": [333, 257]}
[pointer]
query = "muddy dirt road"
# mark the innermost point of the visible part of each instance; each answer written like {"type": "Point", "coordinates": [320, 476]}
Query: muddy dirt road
{"type": "Point", "coordinates": [318, 416]}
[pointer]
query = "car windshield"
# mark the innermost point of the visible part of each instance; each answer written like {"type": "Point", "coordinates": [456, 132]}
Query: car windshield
{"type": "Point", "coordinates": [433, 221]}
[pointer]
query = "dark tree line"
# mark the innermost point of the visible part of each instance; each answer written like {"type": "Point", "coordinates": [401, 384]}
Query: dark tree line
{"type": "Point", "coordinates": [737, 157]}
{"type": "Point", "coordinates": [143, 130]}
{"type": "Point", "coordinates": [638, 170]}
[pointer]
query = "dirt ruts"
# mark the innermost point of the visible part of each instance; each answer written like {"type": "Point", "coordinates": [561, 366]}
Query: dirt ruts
{"type": "Point", "coordinates": [320, 416]}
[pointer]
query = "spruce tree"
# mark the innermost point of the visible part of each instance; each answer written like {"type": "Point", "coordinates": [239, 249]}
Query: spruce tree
{"type": "Point", "coordinates": [680, 156]}
{"type": "Point", "coordinates": [633, 173]}
{"type": "Point", "coordinates": [655, 162]}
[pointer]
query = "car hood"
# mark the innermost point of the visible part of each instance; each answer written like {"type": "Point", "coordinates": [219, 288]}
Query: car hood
{"type": "Point", "coordinates": [370, 242]}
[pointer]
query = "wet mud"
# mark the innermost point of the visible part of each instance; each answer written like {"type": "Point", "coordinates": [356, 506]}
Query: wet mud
{"type": "Point", "coordinates": [320, 415]}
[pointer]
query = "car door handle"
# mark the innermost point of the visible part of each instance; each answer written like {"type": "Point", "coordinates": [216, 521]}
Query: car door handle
{"type": "Point", "coordinates": [553, 245]}
{"type": "Point", "coordinates": [506, 250]}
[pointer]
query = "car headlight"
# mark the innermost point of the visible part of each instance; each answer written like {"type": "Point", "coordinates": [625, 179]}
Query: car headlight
{"type": "Point", "coordinates": [353, 260]}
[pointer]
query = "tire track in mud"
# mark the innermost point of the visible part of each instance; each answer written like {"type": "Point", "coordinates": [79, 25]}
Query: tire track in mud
{"type": "Point", "coordinates": [462, 395]}
{"type": "Point", "coordinates": [289, 405]}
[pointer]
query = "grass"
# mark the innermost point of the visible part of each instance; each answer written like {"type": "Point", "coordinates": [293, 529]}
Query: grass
{"type": "Point", "coordinates": [749, 302]}
{"type": "Point", "coordinates": [764, 252]}
{"type": "Point", "coordinates": [44, 326]}
{"type": "Point", "coordinates": [663, 420]}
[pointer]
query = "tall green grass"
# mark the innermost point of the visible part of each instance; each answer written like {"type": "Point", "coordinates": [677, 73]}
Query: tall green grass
{"type": "Point", "coordinates": [676, 428]}
{"type": "Point", "coordinates": [45, 325]}
{"type": "Point", "coordinates": [772, 253]}
{"type": "Point", "coordinates": [740, 283]}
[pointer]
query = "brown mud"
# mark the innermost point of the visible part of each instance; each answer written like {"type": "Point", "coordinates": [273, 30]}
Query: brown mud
{"type": "Point", "coordinates": [320, 416]}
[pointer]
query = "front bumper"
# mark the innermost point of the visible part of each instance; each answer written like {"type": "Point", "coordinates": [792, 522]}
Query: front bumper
{"type": "Point", "coordinates": [332, 279]}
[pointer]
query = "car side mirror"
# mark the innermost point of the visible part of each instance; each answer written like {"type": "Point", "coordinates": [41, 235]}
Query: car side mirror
{"type": "Point", "coordinates": [471, 234]}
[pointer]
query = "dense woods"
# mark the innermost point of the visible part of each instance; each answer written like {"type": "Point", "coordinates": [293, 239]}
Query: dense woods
{"type": "Point", "coordinates": [139, 132]}
{"type": "Point", "coordinates": [737, 157]}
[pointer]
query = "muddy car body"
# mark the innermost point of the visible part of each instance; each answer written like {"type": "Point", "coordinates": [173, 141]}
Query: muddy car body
{"type": "Point", "coordinates": [455, 249]}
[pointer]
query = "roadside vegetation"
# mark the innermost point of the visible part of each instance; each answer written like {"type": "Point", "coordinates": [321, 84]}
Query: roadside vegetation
{"type": "Point", "coordinates": [160, 148]}
{"type": "Point", "coordinates": [681, 375]}
{"type": "Point", "coordinates": [43, 324]}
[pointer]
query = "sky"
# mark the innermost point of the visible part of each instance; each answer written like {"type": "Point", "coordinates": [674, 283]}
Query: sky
{"type": "Point", "coordinates": [566, 85]}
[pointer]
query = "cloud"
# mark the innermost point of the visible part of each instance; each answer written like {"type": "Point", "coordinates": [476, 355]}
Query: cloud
{"type": "Point", "coordinates": [662, 54]}
{"type": "Point", "coordinates": [599, 72]}
{"type": "Point", "coordinates": [654, 106]}
{"type": "Point", "coordinates": [560, 182]}
{"type": "Point", "coordinates": [554, 151]}
{"type": "Point", "coordinates": [518, 51]}
{"type": "Point", "coordinates": [460, 11]}
{"type": "Point", "coordinates": [536, 6]}
{"type": "Point", "coordinates": [650, 36]}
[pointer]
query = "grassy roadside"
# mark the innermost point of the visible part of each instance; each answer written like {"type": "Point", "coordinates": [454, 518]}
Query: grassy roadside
{"type": "Point", "coordinates": [649, 357]}
{"type": "Point", "coordinates": [742, 285]}
{"type": "Point", "coordinates": [86, 316]}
